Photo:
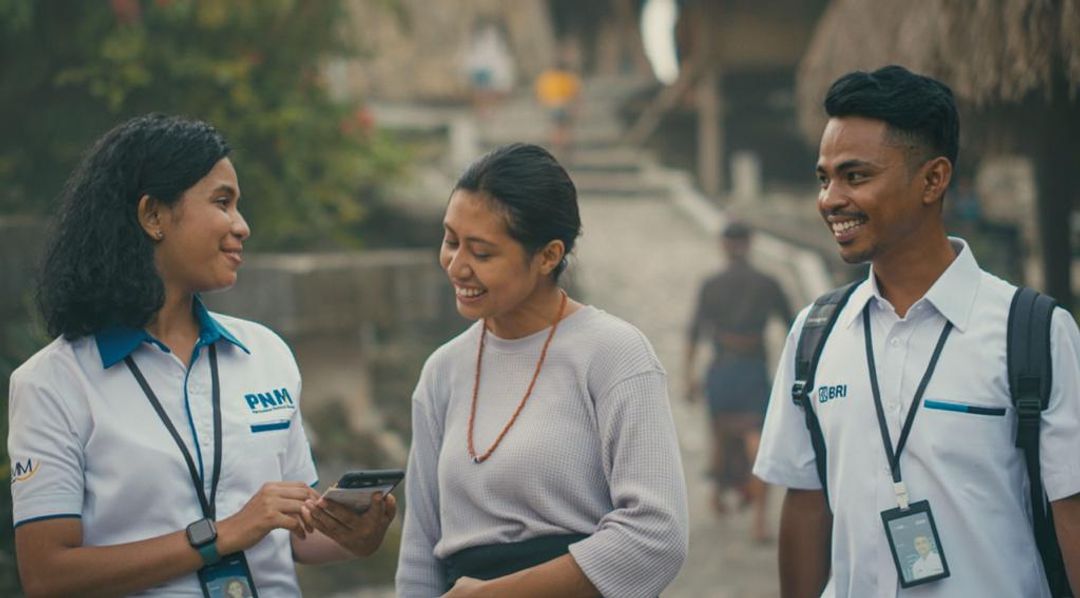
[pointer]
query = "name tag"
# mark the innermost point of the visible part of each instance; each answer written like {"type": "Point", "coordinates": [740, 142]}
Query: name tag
{"type": "Point", "coordinates": [228, 578]}
{"type": "Point", "coordinates": [916, 548]}
{"type": "Point", "coordinates": [276, 400]}
{"type": "Point", "coordinates": [270, 410]}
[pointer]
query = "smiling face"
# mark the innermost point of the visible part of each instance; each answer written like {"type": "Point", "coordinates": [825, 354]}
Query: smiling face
{"type": "Point", "coordinates": [492, 273]}
{"type": "Point", "coordinates": [236, 589]}
{"type": "Point", "coordinates": [922, 545]}
{"type": "Point", "coordinates": [203, 234]}
{"type": "Point", "coordinates": [872, 198]}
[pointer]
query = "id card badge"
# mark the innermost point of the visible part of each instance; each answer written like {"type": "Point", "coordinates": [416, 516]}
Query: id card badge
{"type": "Point", "coordinates": [228, 578]}
{"type": "Point", "coordinates": [916, 547]}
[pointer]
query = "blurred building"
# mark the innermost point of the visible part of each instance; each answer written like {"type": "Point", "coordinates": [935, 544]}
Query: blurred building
{"type": "Point", "coordinates": [735, 95]}
{"type": "Point", "coordinates": [415, 50]}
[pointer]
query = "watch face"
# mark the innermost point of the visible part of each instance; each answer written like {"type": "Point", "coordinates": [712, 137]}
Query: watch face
{"type": "Point", "coordinates": [201, 532]}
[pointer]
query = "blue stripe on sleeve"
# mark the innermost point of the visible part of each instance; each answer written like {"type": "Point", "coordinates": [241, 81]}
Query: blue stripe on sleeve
{"type": "Point", "coordinates": [46, 517]}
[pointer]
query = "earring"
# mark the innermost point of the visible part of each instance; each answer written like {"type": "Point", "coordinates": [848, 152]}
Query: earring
{"type": "Point", "coordinates": [159, 235]}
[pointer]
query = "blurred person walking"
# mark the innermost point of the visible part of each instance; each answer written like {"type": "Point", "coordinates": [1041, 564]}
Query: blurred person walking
{"type": "Point", "coordinates": [544, 460]}
{"type": "Point", "coordinates": [733, 308]}
{"type": "Point", "coordinates": [909, 400]}
{"type": "Point", "coordinates": [158, 448]}
{"type": "Point", "coordinates": [558, 89]}
{"type": "Point", "coordinates": [489, 66]}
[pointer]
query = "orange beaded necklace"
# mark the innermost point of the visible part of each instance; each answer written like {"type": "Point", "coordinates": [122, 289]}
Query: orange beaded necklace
{"type": "Point", "coordinates": [521, 405]}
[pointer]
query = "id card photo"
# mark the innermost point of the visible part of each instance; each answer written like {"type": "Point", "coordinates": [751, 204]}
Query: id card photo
{"type": "Point", "coordinates": [229, 578]}
{"type": "Point", "coordinates": [916, 548]}
{"type": "Point", "coordinates": [235, 587]}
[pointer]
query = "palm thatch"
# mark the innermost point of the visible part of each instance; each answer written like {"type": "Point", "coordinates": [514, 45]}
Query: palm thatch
{"type": "Point", "coordinates": [989, 51]}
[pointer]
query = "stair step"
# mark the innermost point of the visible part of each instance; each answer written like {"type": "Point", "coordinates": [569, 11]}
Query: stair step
{"type": "Point", "coordinates": [614, 184]}
{"type": "Point", "coordinates": [608, 159]}
{"type": "Point", "coordinates": [590, 138]}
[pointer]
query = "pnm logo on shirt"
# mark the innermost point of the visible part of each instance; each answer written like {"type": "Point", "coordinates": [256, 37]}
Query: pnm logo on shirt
{"type": "Point", "coordinates": [265, 402]}
{"type": "Point", "coordinates": [20, 472]}
{"type": "Point", "coordinates": [828, 393]}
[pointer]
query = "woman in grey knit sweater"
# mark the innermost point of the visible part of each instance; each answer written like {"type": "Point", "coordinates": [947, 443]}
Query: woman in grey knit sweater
{"type": "Point", "coordinates": [544, 459]}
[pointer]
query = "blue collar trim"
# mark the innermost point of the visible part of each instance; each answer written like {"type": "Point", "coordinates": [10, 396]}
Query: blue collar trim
{"type": "Point", "coordinates": [210, 330]}
{"type": "Point", "coordinates": [117, 342]}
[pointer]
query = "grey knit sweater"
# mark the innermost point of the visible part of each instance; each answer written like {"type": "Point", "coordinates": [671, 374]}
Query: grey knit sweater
{"type": "Point", "coordinates": [593, 452]}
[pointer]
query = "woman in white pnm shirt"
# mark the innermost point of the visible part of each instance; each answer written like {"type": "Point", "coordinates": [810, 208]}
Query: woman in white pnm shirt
{"type": "Point", "coordinates": [544, 458]}
{"type": "Point", "coordinates": [163, 447]}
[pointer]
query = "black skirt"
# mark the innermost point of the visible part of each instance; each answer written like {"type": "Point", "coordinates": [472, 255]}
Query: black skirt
{"type": "Point", "coordinates": [496, 560]}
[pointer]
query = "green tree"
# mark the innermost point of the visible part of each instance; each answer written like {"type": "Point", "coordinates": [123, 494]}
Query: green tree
{"type": "Point", "coordinates": [70, 70]}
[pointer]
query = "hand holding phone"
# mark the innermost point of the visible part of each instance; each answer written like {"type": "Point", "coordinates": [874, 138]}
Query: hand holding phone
{"type": "Point", "coordinates": [356, 488]}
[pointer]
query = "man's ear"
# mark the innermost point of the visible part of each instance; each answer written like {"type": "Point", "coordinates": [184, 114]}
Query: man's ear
{"type": "Point", "coordinates": [937, 174]}
{"type": "Point", "coordinates": [151, 217]}
{"type": "Point", "coordinates": [551, 255]}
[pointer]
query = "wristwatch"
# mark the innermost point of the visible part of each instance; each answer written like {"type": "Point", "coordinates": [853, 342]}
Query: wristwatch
{"type": "Point", "coordinates": [202, 535]}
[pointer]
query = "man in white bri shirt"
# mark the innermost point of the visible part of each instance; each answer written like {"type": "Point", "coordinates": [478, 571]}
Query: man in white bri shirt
{"type": "Point", "coordinates": [929, 562]}
{"type": "Point", "coordinates": [885, 162]}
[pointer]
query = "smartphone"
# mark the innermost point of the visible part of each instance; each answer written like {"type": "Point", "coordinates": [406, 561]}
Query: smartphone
{"type": "Point", "coordinates": [355, 488]}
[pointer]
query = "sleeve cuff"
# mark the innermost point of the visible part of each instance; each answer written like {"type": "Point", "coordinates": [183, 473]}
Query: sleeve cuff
{"type": "Point", "coordinates": [1061, 485]}
{"type": "Point", "coordinates": [29, 508]}
{"type": "Point", "coordinates": [605, 564]}
{"type": "Point", "coordinates": [772, 473]}
{"type": "Point", "coordinates": [47, 517]}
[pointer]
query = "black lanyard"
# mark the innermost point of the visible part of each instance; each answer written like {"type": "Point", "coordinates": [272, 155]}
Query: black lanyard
{"type": "Point", "coordinates": [894, 456]}
{"type": "Point", "coordinates": [208, 506]}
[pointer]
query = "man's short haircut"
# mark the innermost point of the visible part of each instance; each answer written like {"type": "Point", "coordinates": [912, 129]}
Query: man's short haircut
{"type": "Point", "coordinates": [920, 112]}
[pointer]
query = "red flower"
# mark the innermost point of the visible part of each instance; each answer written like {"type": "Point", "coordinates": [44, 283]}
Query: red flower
{"type": "Point", "coordinates": [126, 12]}
{"type": "Point", "coordinates": [360, 122]}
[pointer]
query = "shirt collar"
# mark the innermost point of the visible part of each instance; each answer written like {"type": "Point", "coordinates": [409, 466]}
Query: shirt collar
{"type": "Point", "coordinates": [210, 330]}
{"type": "Point", "coordinates": [862, 294]}
{"type": "Point", "coordinates": [117, 342]}
{"type": "Point", "coordinates": [952, 294]}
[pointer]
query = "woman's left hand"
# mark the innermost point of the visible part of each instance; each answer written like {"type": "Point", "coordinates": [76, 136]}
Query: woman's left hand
{"type": "Point", "coordinates": [466, 587]}
{"type": "Point", "coordinates": [360, 534]}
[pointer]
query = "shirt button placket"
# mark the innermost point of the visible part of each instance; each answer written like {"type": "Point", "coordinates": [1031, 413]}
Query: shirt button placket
{"type": "Point", "coordinates": [899, 355]}
{"type": "Point", "coordinates": [202, 416]}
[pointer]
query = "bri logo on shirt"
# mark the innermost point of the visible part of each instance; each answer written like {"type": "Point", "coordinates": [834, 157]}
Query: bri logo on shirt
{"type": "Point", "coordinates": [273, 400]}
{"type": "Point", "coordinates": [828, 393]}
{"type": "Point", "coordinates": [21, 472]}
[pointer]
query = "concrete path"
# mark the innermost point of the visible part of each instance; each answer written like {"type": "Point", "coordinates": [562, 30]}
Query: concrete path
{"type": "Point", "coordinates": [642, 260]}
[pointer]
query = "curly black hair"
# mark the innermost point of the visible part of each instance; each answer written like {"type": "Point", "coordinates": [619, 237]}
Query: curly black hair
{"type": "Point", "coordinates": [99, 268]}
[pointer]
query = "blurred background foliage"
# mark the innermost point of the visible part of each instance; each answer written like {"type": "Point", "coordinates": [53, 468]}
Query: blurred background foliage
{"type": "Point", "coordinates": [308, 165]}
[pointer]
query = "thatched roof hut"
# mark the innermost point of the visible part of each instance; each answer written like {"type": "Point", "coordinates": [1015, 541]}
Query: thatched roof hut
{"type": "Point", "coordinates": [988, 51]}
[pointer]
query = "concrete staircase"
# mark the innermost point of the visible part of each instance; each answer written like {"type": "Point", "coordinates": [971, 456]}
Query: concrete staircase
{"type": "Point", "coordinates": [600, 165]}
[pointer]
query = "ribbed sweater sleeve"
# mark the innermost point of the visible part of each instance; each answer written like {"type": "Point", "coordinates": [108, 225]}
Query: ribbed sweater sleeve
{"type": "Point", "coordinates": [419, 573]}
{"type": "Point", "coordinates": [640, 545]}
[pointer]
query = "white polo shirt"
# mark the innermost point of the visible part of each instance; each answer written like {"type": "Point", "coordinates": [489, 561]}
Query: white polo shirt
{"type": "Point", "coordinates": [86, 442]}
{"type": "Point", "coordinates": [965, 464]}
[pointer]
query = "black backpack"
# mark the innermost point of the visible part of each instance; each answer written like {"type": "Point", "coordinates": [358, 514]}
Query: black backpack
{"type": "Point", "coordinates": [1030, 371]}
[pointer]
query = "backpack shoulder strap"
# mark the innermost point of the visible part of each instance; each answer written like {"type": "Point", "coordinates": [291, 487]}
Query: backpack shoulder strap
{"type": "Point", "coordinates": [816, 328]}
{"type": "Point", "coordinates": [1028, 350]}
{"type": "Point", "coordinates": [1030, 379]}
